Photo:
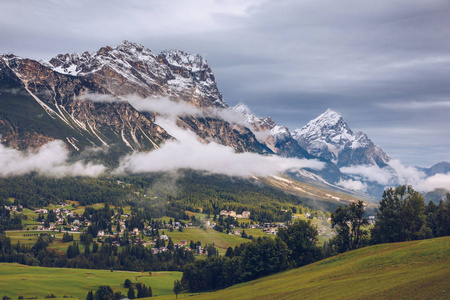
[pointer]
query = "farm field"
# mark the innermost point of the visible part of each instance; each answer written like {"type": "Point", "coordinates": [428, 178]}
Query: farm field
{"type": "Point", "coordinates": [209, 236]}
{"type": "Point", "coordinates": [20, 280]}
{"type": "Point", "coordinates": [29, 238]}
{"type": "Point", "coordinates": [408, 270]}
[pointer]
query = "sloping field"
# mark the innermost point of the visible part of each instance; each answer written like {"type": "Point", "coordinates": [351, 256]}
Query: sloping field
{"type": "Point", "coordinates": [409, 270]}
{"type": "Point", "coordinates": [20, 280]}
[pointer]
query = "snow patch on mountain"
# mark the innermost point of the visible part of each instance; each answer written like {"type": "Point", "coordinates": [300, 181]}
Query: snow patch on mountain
{"type": "Point", "coordinates": [191, 62]}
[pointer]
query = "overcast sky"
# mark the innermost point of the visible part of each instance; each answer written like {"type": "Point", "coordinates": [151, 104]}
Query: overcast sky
{"type": "Point", "coordinates": [384, 65]}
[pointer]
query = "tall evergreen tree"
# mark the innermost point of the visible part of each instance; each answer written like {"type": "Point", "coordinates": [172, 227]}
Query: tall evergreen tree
{"type": "Point", "coordinates": [131, 294]}
{"type": "Point", "coordinates": [348, 221]}
{"type": "Point", "coordinates": [90, 295]}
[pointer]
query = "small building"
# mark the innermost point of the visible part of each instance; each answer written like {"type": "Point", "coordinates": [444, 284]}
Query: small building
{"type": "Point", "coordinates": [246, 214]}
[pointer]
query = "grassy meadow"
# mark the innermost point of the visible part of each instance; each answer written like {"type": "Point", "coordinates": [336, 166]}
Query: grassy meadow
{"type": "Point", "coordinates": [20, 280]}
{"type": "Point", "coordinates": [209, 236]}
{"type": "Point", "coordinates": [408, 270]}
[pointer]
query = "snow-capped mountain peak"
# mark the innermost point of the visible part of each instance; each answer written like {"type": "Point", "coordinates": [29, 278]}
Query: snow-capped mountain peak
{"type": "Point", "coordinates": [131, 68]}
{"type": "Point", "coordinates": [329, 120]}
{"type": "Point", "coordinates": [329, 116]}
{"type": "Point", "coordinates": [131, 47]}
{"type": "Point", "coordinates": [329, 136]}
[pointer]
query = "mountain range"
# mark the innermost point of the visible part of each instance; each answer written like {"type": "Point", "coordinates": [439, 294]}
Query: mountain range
{"type": "Point", "coordinates": [83, 100]}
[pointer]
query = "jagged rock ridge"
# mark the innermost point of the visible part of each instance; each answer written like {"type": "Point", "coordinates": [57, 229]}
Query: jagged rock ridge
{"type": "Point", "coordinates": [277, 138]}
{"type": "Point", "coordinates": [131, 68]}
{"type": "Point", "coordinates": [60, 85]}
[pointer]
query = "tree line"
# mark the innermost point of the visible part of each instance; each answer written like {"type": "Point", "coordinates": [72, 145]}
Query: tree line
{"type": "Point", "coordinates": [402, 216]}
{"type": "Point", "coordinates": [128, 258]}
{"type": "Point", "coordinates": [295, 246]}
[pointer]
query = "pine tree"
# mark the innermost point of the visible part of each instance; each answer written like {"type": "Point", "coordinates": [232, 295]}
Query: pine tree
{"type": "Point", "coordinates": [177, 287]}
{"type": "Point", "coordinates": [130, 293]}
{"type": "Point", "coordinates": [90, 295]}
{"type": "Point", "coordinates": [127, 283]}
{"type": "Point", "coordinates": [140, 290]}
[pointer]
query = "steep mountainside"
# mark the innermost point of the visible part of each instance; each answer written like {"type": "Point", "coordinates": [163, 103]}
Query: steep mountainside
{"type": "Point", "coordinates": [328, 136]}
{"type": "Point", "coordinates": [277, 138]}
{"type": "Point", "coordinates": [60, 88]}
{"type": "Point", "coordinates": [130, 68]}
{"type": "Point", "coordinates": [98, 124]}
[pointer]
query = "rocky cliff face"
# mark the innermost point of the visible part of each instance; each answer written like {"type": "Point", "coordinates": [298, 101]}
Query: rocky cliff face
{"type": "Point", "coordinates": [328, 136]}
{"type": "Point", "coordinates": [56, 90]}
{"type": "Point", "coordinates": [219, 131]}
{"type": "Point", "coordinates": [97, 124]}
{"type": "Point", "coordinates": [130, 68]}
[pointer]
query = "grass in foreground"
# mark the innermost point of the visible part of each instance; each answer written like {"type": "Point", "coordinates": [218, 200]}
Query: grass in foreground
{"type": "Point", "coordinates": [19, 280]}
{"type": "Point", "coordinates": [409, 270]}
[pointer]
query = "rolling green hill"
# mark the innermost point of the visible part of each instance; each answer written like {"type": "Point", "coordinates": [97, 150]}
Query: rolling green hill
{"type": "Point", "coordinates": [409, 270]}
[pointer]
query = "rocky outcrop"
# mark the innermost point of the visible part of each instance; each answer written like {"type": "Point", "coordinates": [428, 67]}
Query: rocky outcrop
{"type": "Point", "coordinates": [222, 132]}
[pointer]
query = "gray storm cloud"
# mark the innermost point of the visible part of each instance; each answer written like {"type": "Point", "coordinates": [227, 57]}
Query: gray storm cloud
{"type": "Point", "coordinates": [49, 160]}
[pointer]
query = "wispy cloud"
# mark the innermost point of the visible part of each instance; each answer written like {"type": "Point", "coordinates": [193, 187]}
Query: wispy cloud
{"type": "Point", "coordinates": [421, 61]}
{"type": "Point", "coordinates": [353, 185]}
{"type": "Point", "coordinates": [188, 152]}
{"type": "Point", "coordinates": [163, 106]}
{"type": "Point", "coordinates": [397, 173]}
{"type": "Point", "coordinates": [49, 160]}
{"type": "Point", "coordinates": [166, 107]}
